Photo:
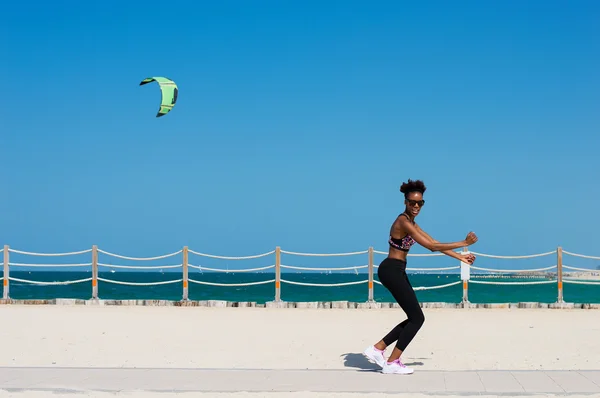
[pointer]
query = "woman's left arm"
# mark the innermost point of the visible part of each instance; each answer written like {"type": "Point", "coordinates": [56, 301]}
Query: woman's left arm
{"type": "Point", "coordinates": [450, 253]}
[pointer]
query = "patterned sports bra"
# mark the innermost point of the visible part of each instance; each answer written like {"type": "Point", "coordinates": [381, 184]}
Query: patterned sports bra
{"type": "Point", "coordinates": [403, 244]}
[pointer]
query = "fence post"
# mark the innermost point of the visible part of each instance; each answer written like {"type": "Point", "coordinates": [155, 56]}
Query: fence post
{"type": "Point", "coordinates": [371, 274]}
{"type": "Point", "coordinates": [559, 274]}
{"type": "Point", "coordinates": [94, 272]}
{"type": "Point", "coordinates": [5, 281]}
{"type": "Point", "coordinates": [465, 275]}
{"type": "Point", "coordinates": [185, 274]}
{"type": "Point", "coordinates": [277, 274]}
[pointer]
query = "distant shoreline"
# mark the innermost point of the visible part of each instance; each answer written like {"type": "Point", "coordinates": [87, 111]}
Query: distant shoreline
{"type": "Point", "coordinates": [587, 276]}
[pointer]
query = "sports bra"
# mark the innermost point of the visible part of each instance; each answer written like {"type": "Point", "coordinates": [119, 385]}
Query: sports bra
{"type": "Point", "coordinates": [403, 244]}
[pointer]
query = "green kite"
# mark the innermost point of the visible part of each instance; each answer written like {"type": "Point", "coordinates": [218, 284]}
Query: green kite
{"type": "Point", "coordinates": [168, 90]}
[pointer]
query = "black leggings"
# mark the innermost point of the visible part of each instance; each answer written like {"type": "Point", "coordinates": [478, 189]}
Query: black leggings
{"type": "Point", "coordinates": [392, 275]}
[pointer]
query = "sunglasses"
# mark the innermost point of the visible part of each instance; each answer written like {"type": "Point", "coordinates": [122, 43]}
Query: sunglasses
{"type": "Point", "coordinates": [415, 202]}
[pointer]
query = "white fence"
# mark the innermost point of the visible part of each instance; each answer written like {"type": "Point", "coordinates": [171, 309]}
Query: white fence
{"type": "Point", "coordinates": [184, 255]}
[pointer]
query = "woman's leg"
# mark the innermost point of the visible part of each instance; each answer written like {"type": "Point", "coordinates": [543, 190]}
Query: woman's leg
{"type": "Point", "coordinates": [392, 336]}
{"type": "Point", "coordinates": [396, 281]}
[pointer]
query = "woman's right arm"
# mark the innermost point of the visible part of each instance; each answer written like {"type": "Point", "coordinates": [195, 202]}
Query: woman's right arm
{"type": "Point", "coordinates": [424, 240]}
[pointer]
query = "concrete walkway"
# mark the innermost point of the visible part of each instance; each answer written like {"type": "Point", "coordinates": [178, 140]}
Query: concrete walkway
{"type": "Point", "coordinates": [509, 382]}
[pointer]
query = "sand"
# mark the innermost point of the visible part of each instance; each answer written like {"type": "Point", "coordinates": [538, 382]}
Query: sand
{"type": "Point", "coordinates": [272, 338]}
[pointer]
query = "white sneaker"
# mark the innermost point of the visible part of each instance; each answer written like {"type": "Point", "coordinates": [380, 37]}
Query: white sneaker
{"type": "Point", "coordinates": [396, 367]}
{"type": "Point", "coordinates": [374, 355]}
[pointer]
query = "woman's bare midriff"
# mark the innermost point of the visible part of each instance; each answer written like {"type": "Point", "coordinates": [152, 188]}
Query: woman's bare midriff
{"type": "Point", "coordinates": [397, 254]}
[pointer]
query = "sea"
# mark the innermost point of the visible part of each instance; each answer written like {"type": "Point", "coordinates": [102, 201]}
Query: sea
{"type": "Point", "coordinates": [261, 293]}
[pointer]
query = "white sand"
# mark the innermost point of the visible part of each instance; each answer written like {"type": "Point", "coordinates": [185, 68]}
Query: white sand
{"type": "Point", "coordinates": [203, 337]}
{"type": "Point", "coordinates": [258, 338]}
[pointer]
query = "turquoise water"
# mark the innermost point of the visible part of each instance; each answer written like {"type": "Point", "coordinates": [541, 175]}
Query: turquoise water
{"type": "Point", "coordinates": [262, 293]}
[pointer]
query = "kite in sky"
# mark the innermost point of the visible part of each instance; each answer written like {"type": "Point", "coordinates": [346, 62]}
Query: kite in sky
{"type": "Point", "coordinates": [168, 90]}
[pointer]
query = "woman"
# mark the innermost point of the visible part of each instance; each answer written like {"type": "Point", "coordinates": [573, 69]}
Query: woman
{"type": "Point", "coordinates": [392, 274]}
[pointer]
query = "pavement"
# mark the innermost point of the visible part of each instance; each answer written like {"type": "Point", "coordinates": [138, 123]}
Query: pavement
{"type": "Point", "coordinates": [69, 380]}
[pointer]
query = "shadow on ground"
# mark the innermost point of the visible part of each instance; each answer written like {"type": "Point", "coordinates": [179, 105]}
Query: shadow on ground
{"type": "Point", "coordinates": [359, 361]}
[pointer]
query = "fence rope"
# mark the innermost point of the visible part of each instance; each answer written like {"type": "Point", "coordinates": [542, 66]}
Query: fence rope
{"type": "Point", "coordinates": [514, 283]}
{"type": "Point", "coordinates": [140, 258]}
{"type": "Point", "coordinates": [324, 269]}
{"type": "Point", "coordinates": [426, 269]}
{"type": "Point", "coordinates": [139, 283]}
{"type": "Point", "coordinates": [581, 255]}
{"type": "Point", "coordinates": [513, 270]}
{"type": "Point", "coordinates": [49, 265]}
{"type": "Point", "coordinates": [231, 270]}
{"type": "Point", "coordinates": [324, 284]}
{"type": "Point", "coordinates": [232, 257]}
{"type": "Point", "coordinates": [432, 269]}
{"type": "Point", "coordinates": [49, 254]}
{"type": "Point", "coordinates": [140, 266]}
{"type": "Point", "coordinates": [428, 287]}
{"type": "Point", "coordinates": [232, 284]}
{"type": "Point", "coordinates": [515, 257]}
{"type": "Point", "coordinates": [49, 283]}
{"type": "Point", "coordinates": [324, 254]}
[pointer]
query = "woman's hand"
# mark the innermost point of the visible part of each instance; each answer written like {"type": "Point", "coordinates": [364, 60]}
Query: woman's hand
{"type": "Point", "coordinates": [467, 258]}
{"type": "Point", "coordinates": [471, 238]}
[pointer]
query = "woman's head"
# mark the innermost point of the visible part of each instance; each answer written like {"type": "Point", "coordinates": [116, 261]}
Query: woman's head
{"type": "Point", "coordinates": [413, 196]}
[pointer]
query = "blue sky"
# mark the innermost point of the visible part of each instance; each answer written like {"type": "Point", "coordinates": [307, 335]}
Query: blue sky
{"type": "Point", "coordinates": [296, 124]}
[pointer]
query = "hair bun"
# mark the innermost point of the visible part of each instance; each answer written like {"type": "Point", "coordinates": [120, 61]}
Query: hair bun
{"type": "Point", "coordinates": [412, 186]}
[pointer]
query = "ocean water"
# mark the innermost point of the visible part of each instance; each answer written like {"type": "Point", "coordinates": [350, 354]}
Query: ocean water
{"type": "Point", "coordinates": [546, 293]}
